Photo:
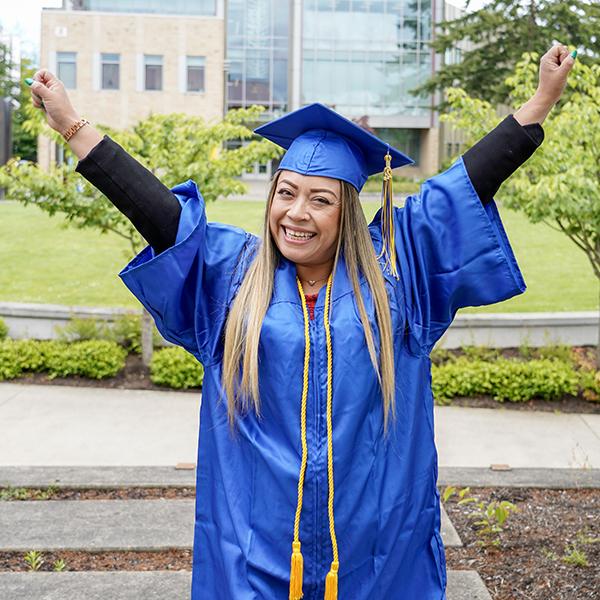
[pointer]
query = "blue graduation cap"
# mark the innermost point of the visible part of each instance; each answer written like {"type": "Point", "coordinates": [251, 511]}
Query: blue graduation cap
{"type": "Point", "coordinates": [321, 142]}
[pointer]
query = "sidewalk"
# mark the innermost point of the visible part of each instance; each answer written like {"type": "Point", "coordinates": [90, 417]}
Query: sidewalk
{"type": "Point", "coordinates": [69, 426]}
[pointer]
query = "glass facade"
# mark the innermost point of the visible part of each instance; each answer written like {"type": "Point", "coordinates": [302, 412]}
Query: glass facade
{"type": "Point", "coordinates": [363, 57]}
{"type": "Point", "coordinates": [257, 54]}
{"type": "Point", "coordinates": [173, 7]}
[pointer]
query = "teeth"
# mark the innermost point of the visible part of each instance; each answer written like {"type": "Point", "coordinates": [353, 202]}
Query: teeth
{"type": "Point", "coordinates": [299, 236]}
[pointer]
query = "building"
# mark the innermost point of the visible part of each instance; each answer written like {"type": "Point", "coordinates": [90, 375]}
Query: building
{"type": "Point", "coordinates": [123, 59]}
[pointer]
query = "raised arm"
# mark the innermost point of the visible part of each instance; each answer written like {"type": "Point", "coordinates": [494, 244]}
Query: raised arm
{"type": "Point", "coordinates": [151, 207]}
{"type": "Point", "coordinates": [501, 152]}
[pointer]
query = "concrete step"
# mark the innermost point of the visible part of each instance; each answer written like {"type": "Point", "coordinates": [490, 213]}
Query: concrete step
{"type": "Point", "coordinates": [111, 525]}
{"type": "Point", "coordinates": [158, 585]}
{"type": "Point", "coordinates": [185, 476]}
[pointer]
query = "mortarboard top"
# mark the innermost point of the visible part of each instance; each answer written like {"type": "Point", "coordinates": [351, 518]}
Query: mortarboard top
{"type": "Point", "coordinates": [321, 142]}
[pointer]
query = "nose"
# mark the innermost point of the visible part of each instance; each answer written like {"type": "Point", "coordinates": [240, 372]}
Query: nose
{"type": "Point", "coordinates": [298, 211]}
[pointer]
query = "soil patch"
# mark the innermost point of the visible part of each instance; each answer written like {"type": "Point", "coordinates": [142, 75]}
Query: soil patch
{"type": "Point", "coordinates": [54, 493]}
{"type": "Point", "coordinates": [166, 560]}
{"type": "Point", "coordinates": [543, 547]}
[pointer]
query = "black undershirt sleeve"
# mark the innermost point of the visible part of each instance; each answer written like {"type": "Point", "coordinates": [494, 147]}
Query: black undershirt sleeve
{"type": "Point", "coordinates": [154, 210]}
{"type": "Point", "coordinates": [150, 206]}
{"type": "Point", "coordinates": [495, 157]}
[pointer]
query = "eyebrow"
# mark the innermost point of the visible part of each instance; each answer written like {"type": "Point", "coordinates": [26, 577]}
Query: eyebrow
{"type": "Point", "coordinates": [312, 190]}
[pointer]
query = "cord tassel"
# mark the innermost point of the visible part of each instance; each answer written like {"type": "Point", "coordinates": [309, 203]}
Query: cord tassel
{"type": "Point", "coordinates": [388, 242]}
{"type": "Point", "coordinates": [296, 572]}
{"type": "Point", "coordinates": [331, 583]}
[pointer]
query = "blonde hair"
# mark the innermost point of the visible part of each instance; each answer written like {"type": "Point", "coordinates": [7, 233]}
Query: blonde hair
{"type": "Point", "coordinates": [244, 322]}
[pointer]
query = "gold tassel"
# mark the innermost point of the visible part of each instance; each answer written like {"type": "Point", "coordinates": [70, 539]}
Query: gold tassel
{"type": "Point", "coordinates": [331, 583]}
{"type": "Point", "coordinates": [296, 572]}
{"type": "Point", "coordinates": [388, 242]}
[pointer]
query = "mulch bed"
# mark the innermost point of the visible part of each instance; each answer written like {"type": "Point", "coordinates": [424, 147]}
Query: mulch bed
{"type": "Point", "coordinates": [166, 560]}
{"type": "Point", "coordinates": [27, 494]}
{"type": "Point", "coordinates": [529, 564]}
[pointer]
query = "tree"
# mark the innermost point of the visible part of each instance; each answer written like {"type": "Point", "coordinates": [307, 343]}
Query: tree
{"type": "Point", "coordinates": [175, 147]}
{"type": "Point", "coordinates": [24, 142]}
{"type": "Point", "coordinates": [560, 184]}
{"type": "Point", "coordinates": [501, 32]}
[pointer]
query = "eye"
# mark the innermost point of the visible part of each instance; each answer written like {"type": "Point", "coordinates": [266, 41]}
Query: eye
{"type": "Point", "coordinates": [323, 201]}
{"type": "Point", "coordinates": [284, 192]}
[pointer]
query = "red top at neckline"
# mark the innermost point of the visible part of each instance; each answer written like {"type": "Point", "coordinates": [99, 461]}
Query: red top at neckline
{"type": "Point", "coordinates": [311, 300]}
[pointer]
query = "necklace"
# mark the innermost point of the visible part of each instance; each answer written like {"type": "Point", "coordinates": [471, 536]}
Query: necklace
{"type": "Point", "coordinates": [312, 282]}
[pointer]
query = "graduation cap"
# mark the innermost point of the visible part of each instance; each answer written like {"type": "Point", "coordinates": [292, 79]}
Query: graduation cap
{"type": "Point", "coordinates": [321, 142]}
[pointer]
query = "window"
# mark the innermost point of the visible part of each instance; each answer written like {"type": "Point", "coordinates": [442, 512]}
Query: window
{"type": "Point", "coordinates": [195, 73]}
{"type": "Point", "coordinates": [66, 68]}
{"type": "Point", "coordinates": [110, 71]}
{"type": "Point", "coordinates": [153, 71]}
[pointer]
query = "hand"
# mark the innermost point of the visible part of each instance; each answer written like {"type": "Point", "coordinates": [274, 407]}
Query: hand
{"type": "Point", "coordinates": [58, 110]}
{"type": "Point", "coordinates": [555, 67]}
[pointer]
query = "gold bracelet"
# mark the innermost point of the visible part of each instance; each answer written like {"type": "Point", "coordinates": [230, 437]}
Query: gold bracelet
{"type": "Point", "coordinates": [69, 133]}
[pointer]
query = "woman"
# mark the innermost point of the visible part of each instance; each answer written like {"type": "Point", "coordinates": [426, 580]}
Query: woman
{"type": "Point", "coordinates": [316, 426]}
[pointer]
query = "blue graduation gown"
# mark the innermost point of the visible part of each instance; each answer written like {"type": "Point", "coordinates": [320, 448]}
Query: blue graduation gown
{"type": "Point", "coordinates": [452, 252]}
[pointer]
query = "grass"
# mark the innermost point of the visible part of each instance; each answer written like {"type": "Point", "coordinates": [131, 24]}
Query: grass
{"type": "Point", "coordinates": [42, 262]}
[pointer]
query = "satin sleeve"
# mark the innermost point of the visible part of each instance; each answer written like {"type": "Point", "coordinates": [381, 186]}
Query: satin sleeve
{"type": "Point", "coordinates": [188, 287]}
{"type": "Point", "coordinates": [452, 252]}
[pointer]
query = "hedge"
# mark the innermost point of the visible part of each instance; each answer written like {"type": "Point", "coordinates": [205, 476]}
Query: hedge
{"type": "Point", "coordinates": [505, 379]}
{"type": "Point", "coordinates": [95, 359]}
{"type": "Point", "coordinates": [3, 329]}
{"type": "Point", "coordinates": [176, 368]}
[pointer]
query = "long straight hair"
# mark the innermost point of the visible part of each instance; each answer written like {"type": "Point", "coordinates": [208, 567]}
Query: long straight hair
{"type": "Point", "coordinates": [245, 319]}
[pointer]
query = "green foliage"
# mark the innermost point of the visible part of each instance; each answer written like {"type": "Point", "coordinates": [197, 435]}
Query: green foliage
{"type": "Point", "coordinates": [176, 368]}
{"type": "Point", "coordinates": [488, 518]}
{"type": "Point", "coordinates": [13, 493]}
{"type": "Point", "coordinates": [175, 147]}
{"type": "Point", "coordinates": [504, 379]}
{"type": "Point", "coordinates": [95, 359]}
{"type": "Point", "coordinates": [59, 565]}
{"type": "Point", "coordinates": [499, 33]}
{"type": "Point", "coordinates": [560, 184]}
{"type": "Point", "coordinates": [3, 330]}
{"type": "Point", "coordinates": [401, 185]}
{"type": "Point", "coordinates": [24, 141]}
{"type": "Point", "coordinates": [575, 557]}
{"type": "Point", "coordinates": [9, 361]}
{"type": "Point", "coordinates": [34, 560]}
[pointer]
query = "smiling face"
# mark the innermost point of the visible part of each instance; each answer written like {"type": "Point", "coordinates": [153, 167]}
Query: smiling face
{"type": "Point", "coordinates": [304, 219]}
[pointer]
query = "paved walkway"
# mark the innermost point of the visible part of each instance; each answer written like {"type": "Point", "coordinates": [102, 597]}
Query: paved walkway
{"type": "Point", "coordinates": [163, 585]}
{"type": "Point", "coordinates": [68, 426]}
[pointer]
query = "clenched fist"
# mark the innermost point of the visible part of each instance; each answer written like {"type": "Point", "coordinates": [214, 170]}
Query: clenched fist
{"type": "Point", "coordinates": [555, 67]}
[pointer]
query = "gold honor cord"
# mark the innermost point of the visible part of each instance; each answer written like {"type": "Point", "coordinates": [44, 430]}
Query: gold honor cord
{"type": "Point", "coordinates": [297, 566]}
{"type": "Point", "coordinates": [297, 562]}
{"type": "Point", "coordinates": [388, 242]}
{"type": "Point", "coordinates": [331, 583]}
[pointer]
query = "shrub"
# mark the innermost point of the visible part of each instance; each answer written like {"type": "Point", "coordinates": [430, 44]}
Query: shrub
{"type": "Point", "coordinates": [504, 379]}
{"type": "Point", "coordinates": [3, 330]}
{"type": "Point", "coordinates": [95, 359]}
{"type": "Point", "coordinates": [176, 368]}
{"type": "Point", "coordinates": [9, 363]}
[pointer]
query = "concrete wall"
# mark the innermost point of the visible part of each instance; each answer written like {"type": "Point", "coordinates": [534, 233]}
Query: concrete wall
{"type": "Point", "coordinates": [496, 330]}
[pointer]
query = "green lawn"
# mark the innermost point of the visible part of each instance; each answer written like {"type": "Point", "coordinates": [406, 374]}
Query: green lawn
{"type": "Point", "coordinates": [42, 262]}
